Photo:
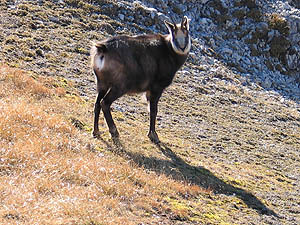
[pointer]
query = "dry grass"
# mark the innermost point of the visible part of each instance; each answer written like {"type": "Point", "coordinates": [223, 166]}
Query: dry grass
{"type": "Point", "coordinates": [231, 166]}
{"type": "Point", "coordinates": [53, 173]}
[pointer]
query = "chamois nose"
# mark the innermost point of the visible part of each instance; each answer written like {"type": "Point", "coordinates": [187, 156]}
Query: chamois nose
{"type": "Point", "coordinates": [181, 42]}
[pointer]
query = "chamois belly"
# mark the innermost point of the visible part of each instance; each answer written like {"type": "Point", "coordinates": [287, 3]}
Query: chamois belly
{"type": "Point", "coordinates": [138, 86]}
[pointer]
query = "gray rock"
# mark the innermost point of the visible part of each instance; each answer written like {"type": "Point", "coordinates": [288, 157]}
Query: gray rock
{"type": "Point", "coordinates": [294, 23]}
{"type": "Point", "coordinates": [212, 43]}
{"type": "Point", "coordinates": [267, 83]}
{"type": "Point", "coordinates": [293, 58]}
{"type": "Point", "coordinates": [236, 56]}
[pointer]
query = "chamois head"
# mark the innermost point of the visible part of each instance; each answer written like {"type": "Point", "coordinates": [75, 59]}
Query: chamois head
{"type": "Point", "coordinates": [179, 36]}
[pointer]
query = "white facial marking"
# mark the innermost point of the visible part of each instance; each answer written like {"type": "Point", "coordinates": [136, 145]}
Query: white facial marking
{"type": "Point", "coordinates": [182, 44]}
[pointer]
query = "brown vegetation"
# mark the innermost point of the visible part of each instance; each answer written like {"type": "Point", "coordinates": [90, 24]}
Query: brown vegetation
{"type": "Point", "coordinates": [53, 174]}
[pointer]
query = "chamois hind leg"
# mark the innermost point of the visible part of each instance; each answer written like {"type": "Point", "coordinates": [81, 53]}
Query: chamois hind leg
{"type": "Point", "coordinates": [154, 98]}
{"type": "Point", "coordinates": [97, 109]}
{"type": "Point", "coordinates": [113, 94]}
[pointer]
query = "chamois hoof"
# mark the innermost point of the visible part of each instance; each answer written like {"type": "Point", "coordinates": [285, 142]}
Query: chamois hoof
{"type": "Point", "coordinates": [96, 134]}
{"type": "Point", "coordinates": [114, 134]}
{"type": "Point", "coordinates": [153, 137]}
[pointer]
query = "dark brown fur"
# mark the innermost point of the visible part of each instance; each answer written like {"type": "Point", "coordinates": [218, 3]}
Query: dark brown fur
{"type": "Point", "coordinates": [145, 63]}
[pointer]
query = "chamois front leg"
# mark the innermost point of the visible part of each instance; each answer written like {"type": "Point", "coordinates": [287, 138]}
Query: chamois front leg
{"type": "Point", "coordinates": [154, 98]}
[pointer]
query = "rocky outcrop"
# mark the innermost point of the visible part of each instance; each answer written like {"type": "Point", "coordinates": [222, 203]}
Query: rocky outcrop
{"type": "Point", "coordinates": [256, 37]}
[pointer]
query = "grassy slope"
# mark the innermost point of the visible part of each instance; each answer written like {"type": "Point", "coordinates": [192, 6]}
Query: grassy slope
{"type": "Point", "coordinates": [229, 153]}
{"type": "Point", "coordinates": [52, 173]}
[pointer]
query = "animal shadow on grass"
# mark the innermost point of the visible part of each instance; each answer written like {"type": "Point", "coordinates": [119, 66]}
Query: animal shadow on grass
{"type": "Point", "coordinates": [179, 170]}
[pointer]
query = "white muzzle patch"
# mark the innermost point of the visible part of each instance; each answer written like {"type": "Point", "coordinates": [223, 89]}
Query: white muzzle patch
{"type": "Point", "coordinates": [181, 43]}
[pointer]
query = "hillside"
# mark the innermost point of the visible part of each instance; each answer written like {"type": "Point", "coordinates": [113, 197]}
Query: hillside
{"type": "Point", "coordinates": [229, 123]}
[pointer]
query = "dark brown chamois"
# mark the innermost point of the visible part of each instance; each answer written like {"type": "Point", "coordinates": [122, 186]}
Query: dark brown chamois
{"type": "Point", "coordinates": [145, 63]}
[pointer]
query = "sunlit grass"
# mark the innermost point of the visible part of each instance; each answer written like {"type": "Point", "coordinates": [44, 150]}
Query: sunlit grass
{"type": "Point", "coordinates": [53, 173]}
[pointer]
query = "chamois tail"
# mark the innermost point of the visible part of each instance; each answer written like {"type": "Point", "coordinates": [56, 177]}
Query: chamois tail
{"type": "Point", "coordinates": [97, 54]}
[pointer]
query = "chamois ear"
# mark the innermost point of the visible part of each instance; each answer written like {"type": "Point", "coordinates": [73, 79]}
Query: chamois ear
{"type": "Point", "coordinates": [170, 26]}
{"type": "Point", "coordinates": [101, 47]}
{"type": "Point", "coordinates": [185, 23]}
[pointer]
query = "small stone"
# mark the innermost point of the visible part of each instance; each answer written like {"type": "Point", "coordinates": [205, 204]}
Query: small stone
{"type": "Point", "coordinates": [246, 60]}
{"type": "Point", "coordinates": [262, 28]}
{"type": "Point", "coordinates": [226, 51]}
{"type": "Point", "coordinates": [254, 50]}
{"type": "Point", "coordinates": [121, 16]}
{"type": "Point", "coordinates": [152, 12]}
{"type": "Point", "coordinates": [267, 83]}
{"type": "Point", "coordinates": [39, 52]}
{"type": "Point", "coordinates": [193, 55]}
{"type": "Point", "coordinates": [53, 19]}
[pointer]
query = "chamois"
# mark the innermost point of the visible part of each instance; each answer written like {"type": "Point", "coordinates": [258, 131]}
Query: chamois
{"type": "Point", "coordinates": [134, 64]}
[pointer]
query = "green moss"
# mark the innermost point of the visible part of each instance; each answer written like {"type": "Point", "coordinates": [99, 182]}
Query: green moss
{"type": "Point", "coordinates": [80, 125]}
{"type": "Point", "coordinates": [63, 82]}
{"type": "Point", "coordinates": [50, 57]}
{"type": "Point", "coordinates": [23, 7]}
{"type": "Point", "coordinates": [65, 55]}
{"type": "Point", "coordinates": [180, 209]}
{"type": "Point", "coordinates": [46, 46]}
{"type": "Point", "coordinates": [212, 216]}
